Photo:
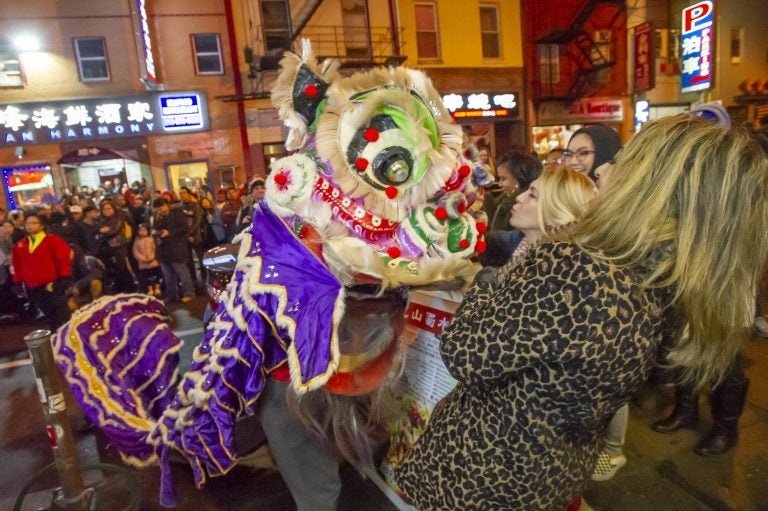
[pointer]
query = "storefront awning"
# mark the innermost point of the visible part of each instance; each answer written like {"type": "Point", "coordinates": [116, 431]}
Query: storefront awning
{"type": "Point", "coordinates": [93, 154]}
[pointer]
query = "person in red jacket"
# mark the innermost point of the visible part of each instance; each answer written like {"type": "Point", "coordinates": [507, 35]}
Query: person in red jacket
{"type": "Point", "coordinates": [43, 263]}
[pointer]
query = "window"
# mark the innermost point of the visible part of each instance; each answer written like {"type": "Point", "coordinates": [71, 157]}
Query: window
{"type": "Point", "coordinates": [549, 63]}
{"type": "Point", "coordinates": [489, 31]}
{"type": "Point", "coordinates": [427, 33]}
{"type": "Point", "coordinates": [10, 68]}
{"type": "Point", "coordinates": [208, 54]}
{"type": "Point", "coordinates": [357, 40]}
{"type": "Point", "coordinates": [276, 24]}
{"type": "Point", "coordinates": [737, 38]}
{"type": "Point", "coordinates": [92, 64]}
{"type": "Point", "coordinates": [192, 174]}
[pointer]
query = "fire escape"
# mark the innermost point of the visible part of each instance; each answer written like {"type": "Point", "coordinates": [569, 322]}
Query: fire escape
{"type": "Point", "coordinates": [353, 47]}
{"type": "Point", "coordinates": [579, 52]}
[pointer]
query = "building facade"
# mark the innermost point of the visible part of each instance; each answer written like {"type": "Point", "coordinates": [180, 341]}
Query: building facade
{"type": "Point", "coordinates": [702, 51]}
{"type": "Point", "coordinates": [358, 33]}
{"type": "Point", "coordinates": [575, 54]}
{"type": "Point", "coordinates": [116, 91]}
{"type": "Point", "coordinates": [470, 49]}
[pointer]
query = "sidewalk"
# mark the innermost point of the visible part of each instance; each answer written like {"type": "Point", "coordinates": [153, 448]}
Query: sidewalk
{"type": "Point", "coordinates": [662, 472]}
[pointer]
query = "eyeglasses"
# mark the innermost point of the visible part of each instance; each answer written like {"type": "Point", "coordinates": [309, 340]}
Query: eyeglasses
{"type": "Point", "coordinates": [580, 155]}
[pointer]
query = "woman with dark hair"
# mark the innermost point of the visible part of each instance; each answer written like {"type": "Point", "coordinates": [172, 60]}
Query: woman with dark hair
{"type": "Point", "coordinates": [113, 248]}
{"type": "Point", "coordinates": [591, 147]}
{"type": "Point", "coordinates": [516, 171]}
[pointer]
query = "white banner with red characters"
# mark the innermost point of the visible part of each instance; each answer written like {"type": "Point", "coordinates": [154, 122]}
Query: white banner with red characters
{"type": "Point", "coordinates": [424, 380]}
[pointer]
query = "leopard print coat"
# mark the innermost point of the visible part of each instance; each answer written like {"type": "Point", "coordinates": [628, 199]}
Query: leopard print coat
{"type": "Point", "coordinates": [543, 360]}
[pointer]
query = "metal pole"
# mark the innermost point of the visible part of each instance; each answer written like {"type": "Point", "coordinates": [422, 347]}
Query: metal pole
{"type": "Point", "coordinates": [54, 406]}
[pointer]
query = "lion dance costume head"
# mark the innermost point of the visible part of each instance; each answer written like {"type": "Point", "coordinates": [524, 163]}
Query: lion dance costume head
{"type": "Point", "coordinates": [373, 201]}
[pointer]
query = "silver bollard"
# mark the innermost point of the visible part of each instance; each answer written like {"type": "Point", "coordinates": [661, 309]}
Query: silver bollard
{"type": "Point", "coordinates": [49, 386]}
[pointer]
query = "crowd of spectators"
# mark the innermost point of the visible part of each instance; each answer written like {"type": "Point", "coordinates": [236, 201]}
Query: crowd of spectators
{"type": "Point", "coordinates": [132, 240]}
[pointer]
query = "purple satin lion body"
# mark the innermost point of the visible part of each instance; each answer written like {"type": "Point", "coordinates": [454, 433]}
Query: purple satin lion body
{"type": "Point", "coordinates": [121, 358]}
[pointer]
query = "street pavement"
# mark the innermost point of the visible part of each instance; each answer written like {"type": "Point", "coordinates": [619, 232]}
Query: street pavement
{"type": "Point", "coordinates": [663, 473]}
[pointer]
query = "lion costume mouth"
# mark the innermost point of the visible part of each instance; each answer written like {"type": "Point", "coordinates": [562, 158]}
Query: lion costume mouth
{"type": "Point", "coordinates": [365, 224]}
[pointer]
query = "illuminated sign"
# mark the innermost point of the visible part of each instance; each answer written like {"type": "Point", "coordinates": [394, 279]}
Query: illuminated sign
{"type": "Point", "coordinates": [149, 60]}
{"type": "Point", "coordinates": [28, 178]}
{"type": "Point", "coordinates": [642, 114]}
{"type": "Point", "coordinates": [698, 33]}
{"type": "Point", "coordinates": [473, 105]}
{"type": "Point", "coordinates": [581, 111]}
{"type": "Point", "coordinates": [644, 57]}
{"type": "Point", "coordinates": [154, 113]}
{"type": "Point", "coordinates": [595, 110]}
{"type": "Point", "coordinates": [181, 112]}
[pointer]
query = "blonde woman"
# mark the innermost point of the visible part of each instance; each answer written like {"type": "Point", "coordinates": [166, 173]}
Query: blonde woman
{"type": "Point", "coordinates": [546, 355]}
{"type": "Point", "coordinates": [557, 198]}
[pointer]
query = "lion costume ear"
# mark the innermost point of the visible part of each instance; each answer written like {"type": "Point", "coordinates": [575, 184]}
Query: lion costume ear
{"type": "Point", "coordinates": [299, 90]}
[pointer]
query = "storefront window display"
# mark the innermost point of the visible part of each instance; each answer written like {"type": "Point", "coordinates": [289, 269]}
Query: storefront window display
{"type": "Point", "coordinates": [29, 185]}
{"type": "Point", "coordinates": [192, 174]}
{"type": "Point", "coordinates": [97, 174]}
{"type": "Point", "coordinates": [546, 138]}
{"type": "Point", "coordinates": [272, 153]}
{"type": "Point", "coordinates": [95, 166]}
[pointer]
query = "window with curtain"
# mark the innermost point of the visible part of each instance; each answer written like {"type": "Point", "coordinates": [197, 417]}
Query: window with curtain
{"type": "Point", "coordinates": [276, 24]}
{"type": "Point", "coordinates": [427, 32]}
{"type": "Point", "coordinates": [737, 43]}
{"type": "Point", "coordinates": [549, 63]}
{"type": "Point", "coordinates": [489, 31]}
{"type": "Point", "coordinates": [357, 38]}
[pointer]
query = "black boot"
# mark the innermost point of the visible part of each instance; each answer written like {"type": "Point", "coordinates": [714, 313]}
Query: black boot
{"type": "Point", "coordinates": [727, 401]}
{"type": "Point", "coordinates": [685, 413]}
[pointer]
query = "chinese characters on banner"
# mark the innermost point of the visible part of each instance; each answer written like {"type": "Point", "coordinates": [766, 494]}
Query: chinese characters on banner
{"type": "Point", "coordinates": [697, 43]}
{"type": "Point", "coordinates": [644, 57]}
{"type": "Point", "coordinates": [84, 119]}
{"type": "Point", "coordinates": [481, 104]}
{"type": "Point", "coordinates": [424, 380]}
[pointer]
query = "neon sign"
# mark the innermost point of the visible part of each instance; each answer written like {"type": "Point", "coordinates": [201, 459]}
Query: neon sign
{"type": "Point", "coordinates": [697, 37]}
{"type": "Point", "coordinates": [181, 112]}
{"type": "Point", "coordinates": [83, 119]}
{"type": "Point", "coordinates": [31, 177]}
{"type": "Point", "coordinates": [481, 104]}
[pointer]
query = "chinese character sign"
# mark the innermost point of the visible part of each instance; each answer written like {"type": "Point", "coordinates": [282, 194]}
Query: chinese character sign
{"type": "Point", "coordinates": [482, 104]}
{"type": "Point", "coordinates": [644, 57]}
{"type": "Point", "coordinates": [89, 118]}
{"type": "Point", "coordinates": [697, 41]}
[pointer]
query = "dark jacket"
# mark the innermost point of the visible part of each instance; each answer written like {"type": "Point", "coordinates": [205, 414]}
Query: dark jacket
{"type": "Point", "coordinates": [87, 237]}
{"type": "Point", "coordinates": [499, 221]}
{"type": "Point", "coordinates": [501, 246]}
{"type": "Point", "coordinates": [115, 236]}
{"type": "Point", "coordinates": [194, 215]}
{"type": "Point", "coordinates": [173, 248]}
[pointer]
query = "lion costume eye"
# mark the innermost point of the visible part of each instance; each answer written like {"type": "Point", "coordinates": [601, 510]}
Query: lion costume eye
{"type": "Point", "coordinates": [392, 166]}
